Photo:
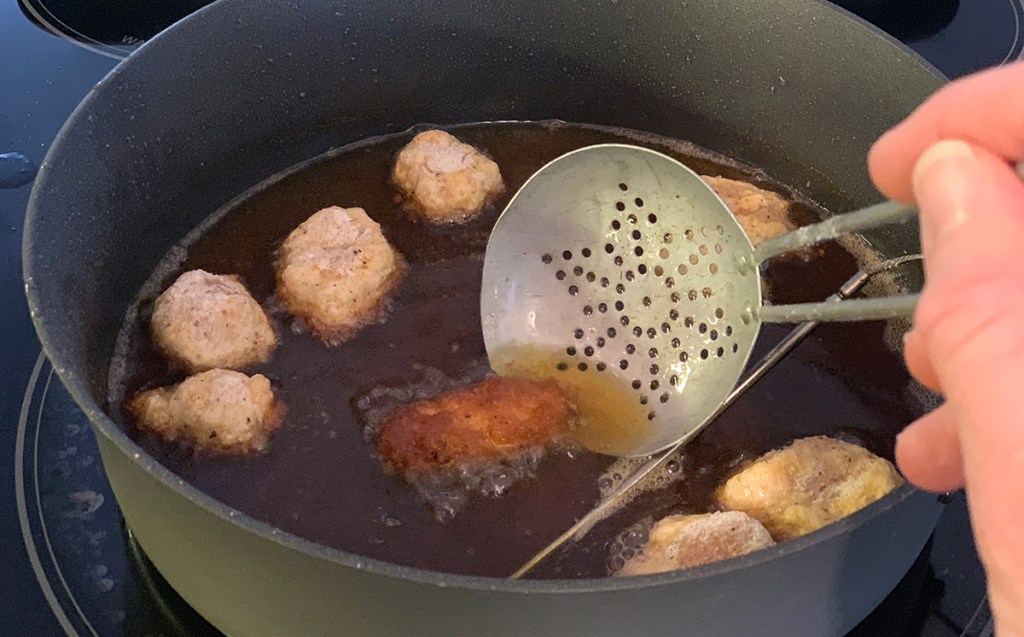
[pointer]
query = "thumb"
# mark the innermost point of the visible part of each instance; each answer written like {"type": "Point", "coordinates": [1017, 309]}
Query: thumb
{"type": "Point", "coordinates": [970, 324]}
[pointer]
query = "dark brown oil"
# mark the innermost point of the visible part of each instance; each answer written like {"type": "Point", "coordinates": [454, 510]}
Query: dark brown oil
{"type": "Point", "coordinates": [320, 479]}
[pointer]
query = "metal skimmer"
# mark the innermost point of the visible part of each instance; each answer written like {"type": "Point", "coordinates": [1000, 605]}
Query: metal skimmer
{"type": "Point", "coordinates": [621, 261]}
{"type": "Point", "coordinates": [786, 345]}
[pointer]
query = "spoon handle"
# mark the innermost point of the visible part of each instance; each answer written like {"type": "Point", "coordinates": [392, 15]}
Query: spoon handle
{"type": "Point", "coordinates": [870, 217]}
{"type": "Point", "coordinates": [858, 310]}
{"type": "Point", "coordinates": [853, 310]}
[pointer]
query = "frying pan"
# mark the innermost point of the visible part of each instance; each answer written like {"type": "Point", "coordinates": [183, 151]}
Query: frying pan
{"type": "Point", "coordinates": [245, 88]}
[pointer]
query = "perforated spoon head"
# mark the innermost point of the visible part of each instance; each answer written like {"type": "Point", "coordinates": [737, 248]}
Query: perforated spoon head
{"type": "Point", "coordinates": [618, 272]}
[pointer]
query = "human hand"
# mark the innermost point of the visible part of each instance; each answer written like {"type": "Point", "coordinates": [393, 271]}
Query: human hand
{"type": "Point", "coordinates": [954, 157]}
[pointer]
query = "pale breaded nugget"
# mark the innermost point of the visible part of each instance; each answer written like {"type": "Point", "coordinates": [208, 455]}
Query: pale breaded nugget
{"type": "Point", "coordinates": [219, 410]}
{"type": "Point", "coordinates": [206, 321]}
{"type": "Point", "coordinates": [443, 180]}
{"type": "Point", "coordinates": [763, 214]}
{"type": "Point", "coordinates": [335, 271]}
{"type": "Point", "coordinates": [812, 482]}
{"type": "Point", "coordinates": [685, 541]}
{"type": "Point", "coordinates": [496, 419]}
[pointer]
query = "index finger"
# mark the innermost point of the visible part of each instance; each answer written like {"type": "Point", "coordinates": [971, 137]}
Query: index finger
{"type": "Point", "coordinates": [985, 109]}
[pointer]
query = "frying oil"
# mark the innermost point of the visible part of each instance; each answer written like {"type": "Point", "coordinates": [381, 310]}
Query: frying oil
{"type": "Point", "coordinates": [611, 420]}
{"type": "Point", "coordinates": [321, 479]}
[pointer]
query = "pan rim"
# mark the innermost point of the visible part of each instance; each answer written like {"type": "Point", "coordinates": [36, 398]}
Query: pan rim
{"type": "Point", "coordinates": [105, 426]}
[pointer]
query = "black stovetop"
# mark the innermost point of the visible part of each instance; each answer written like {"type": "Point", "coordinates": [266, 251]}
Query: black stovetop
{"type": "Point", "coordinates": [69, 563]}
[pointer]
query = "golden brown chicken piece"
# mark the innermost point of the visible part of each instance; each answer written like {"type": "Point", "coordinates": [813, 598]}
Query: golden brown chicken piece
{"type": "Point", "coordinates": [205, 321]}
{"type": "Point", "coordinates": [444, 180]}
{"type": "Point", "coordinates": [335, 272]}
{"type": "Point", "coordinates": [685, 541]}
{"type": "Point", "coordinates": [812, 482]}
{"type": "Point", "coordinates": [219, 410]}
{"type": "Point", "coordinates": [496, 419]}
{"type": "Point", "coordinates": [763, 214]}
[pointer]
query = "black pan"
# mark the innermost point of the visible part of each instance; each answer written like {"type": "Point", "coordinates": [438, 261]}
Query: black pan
{"type": "Point", "coordinates": [246, 88]}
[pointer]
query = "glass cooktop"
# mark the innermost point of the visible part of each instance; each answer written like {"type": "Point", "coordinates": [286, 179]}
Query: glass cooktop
{"type": "Point", "coordinates": [71, 567]}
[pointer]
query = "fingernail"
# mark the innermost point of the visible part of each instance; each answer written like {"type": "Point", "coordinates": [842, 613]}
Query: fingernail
{"type": "Point", "coordinates": [945, 180]}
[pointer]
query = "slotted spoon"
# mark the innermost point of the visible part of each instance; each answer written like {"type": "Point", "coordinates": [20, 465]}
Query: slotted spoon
{"type": "Point", "coordinates": [619, 260]}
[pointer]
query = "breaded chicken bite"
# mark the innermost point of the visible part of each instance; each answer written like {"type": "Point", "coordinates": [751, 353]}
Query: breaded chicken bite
{"type": "Point", "coordinates": [685, 541]}
{"type": "Point", "coordinates": [336, 270]}
{"type": "Point", "coordinates": [494, 420]}
{"type": "Point", "coordinates": [219, 410]}
{"type": "Point", "coordinates": [206, 321]}
{"type": "Point", "coordinates": [812, 482]}
{"type": "Point", "coordinates": [443, 180]}
{"type": "Point", "coordinates": [763, 214]}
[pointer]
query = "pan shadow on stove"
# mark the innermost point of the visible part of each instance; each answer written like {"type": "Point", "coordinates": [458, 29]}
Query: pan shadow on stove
{"type": "Point", "coordinates": [906, 20]}
{"type": "Point", "coordinates": [113, 22]}
{"type": "Point", "coordinates": [159, 608]}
